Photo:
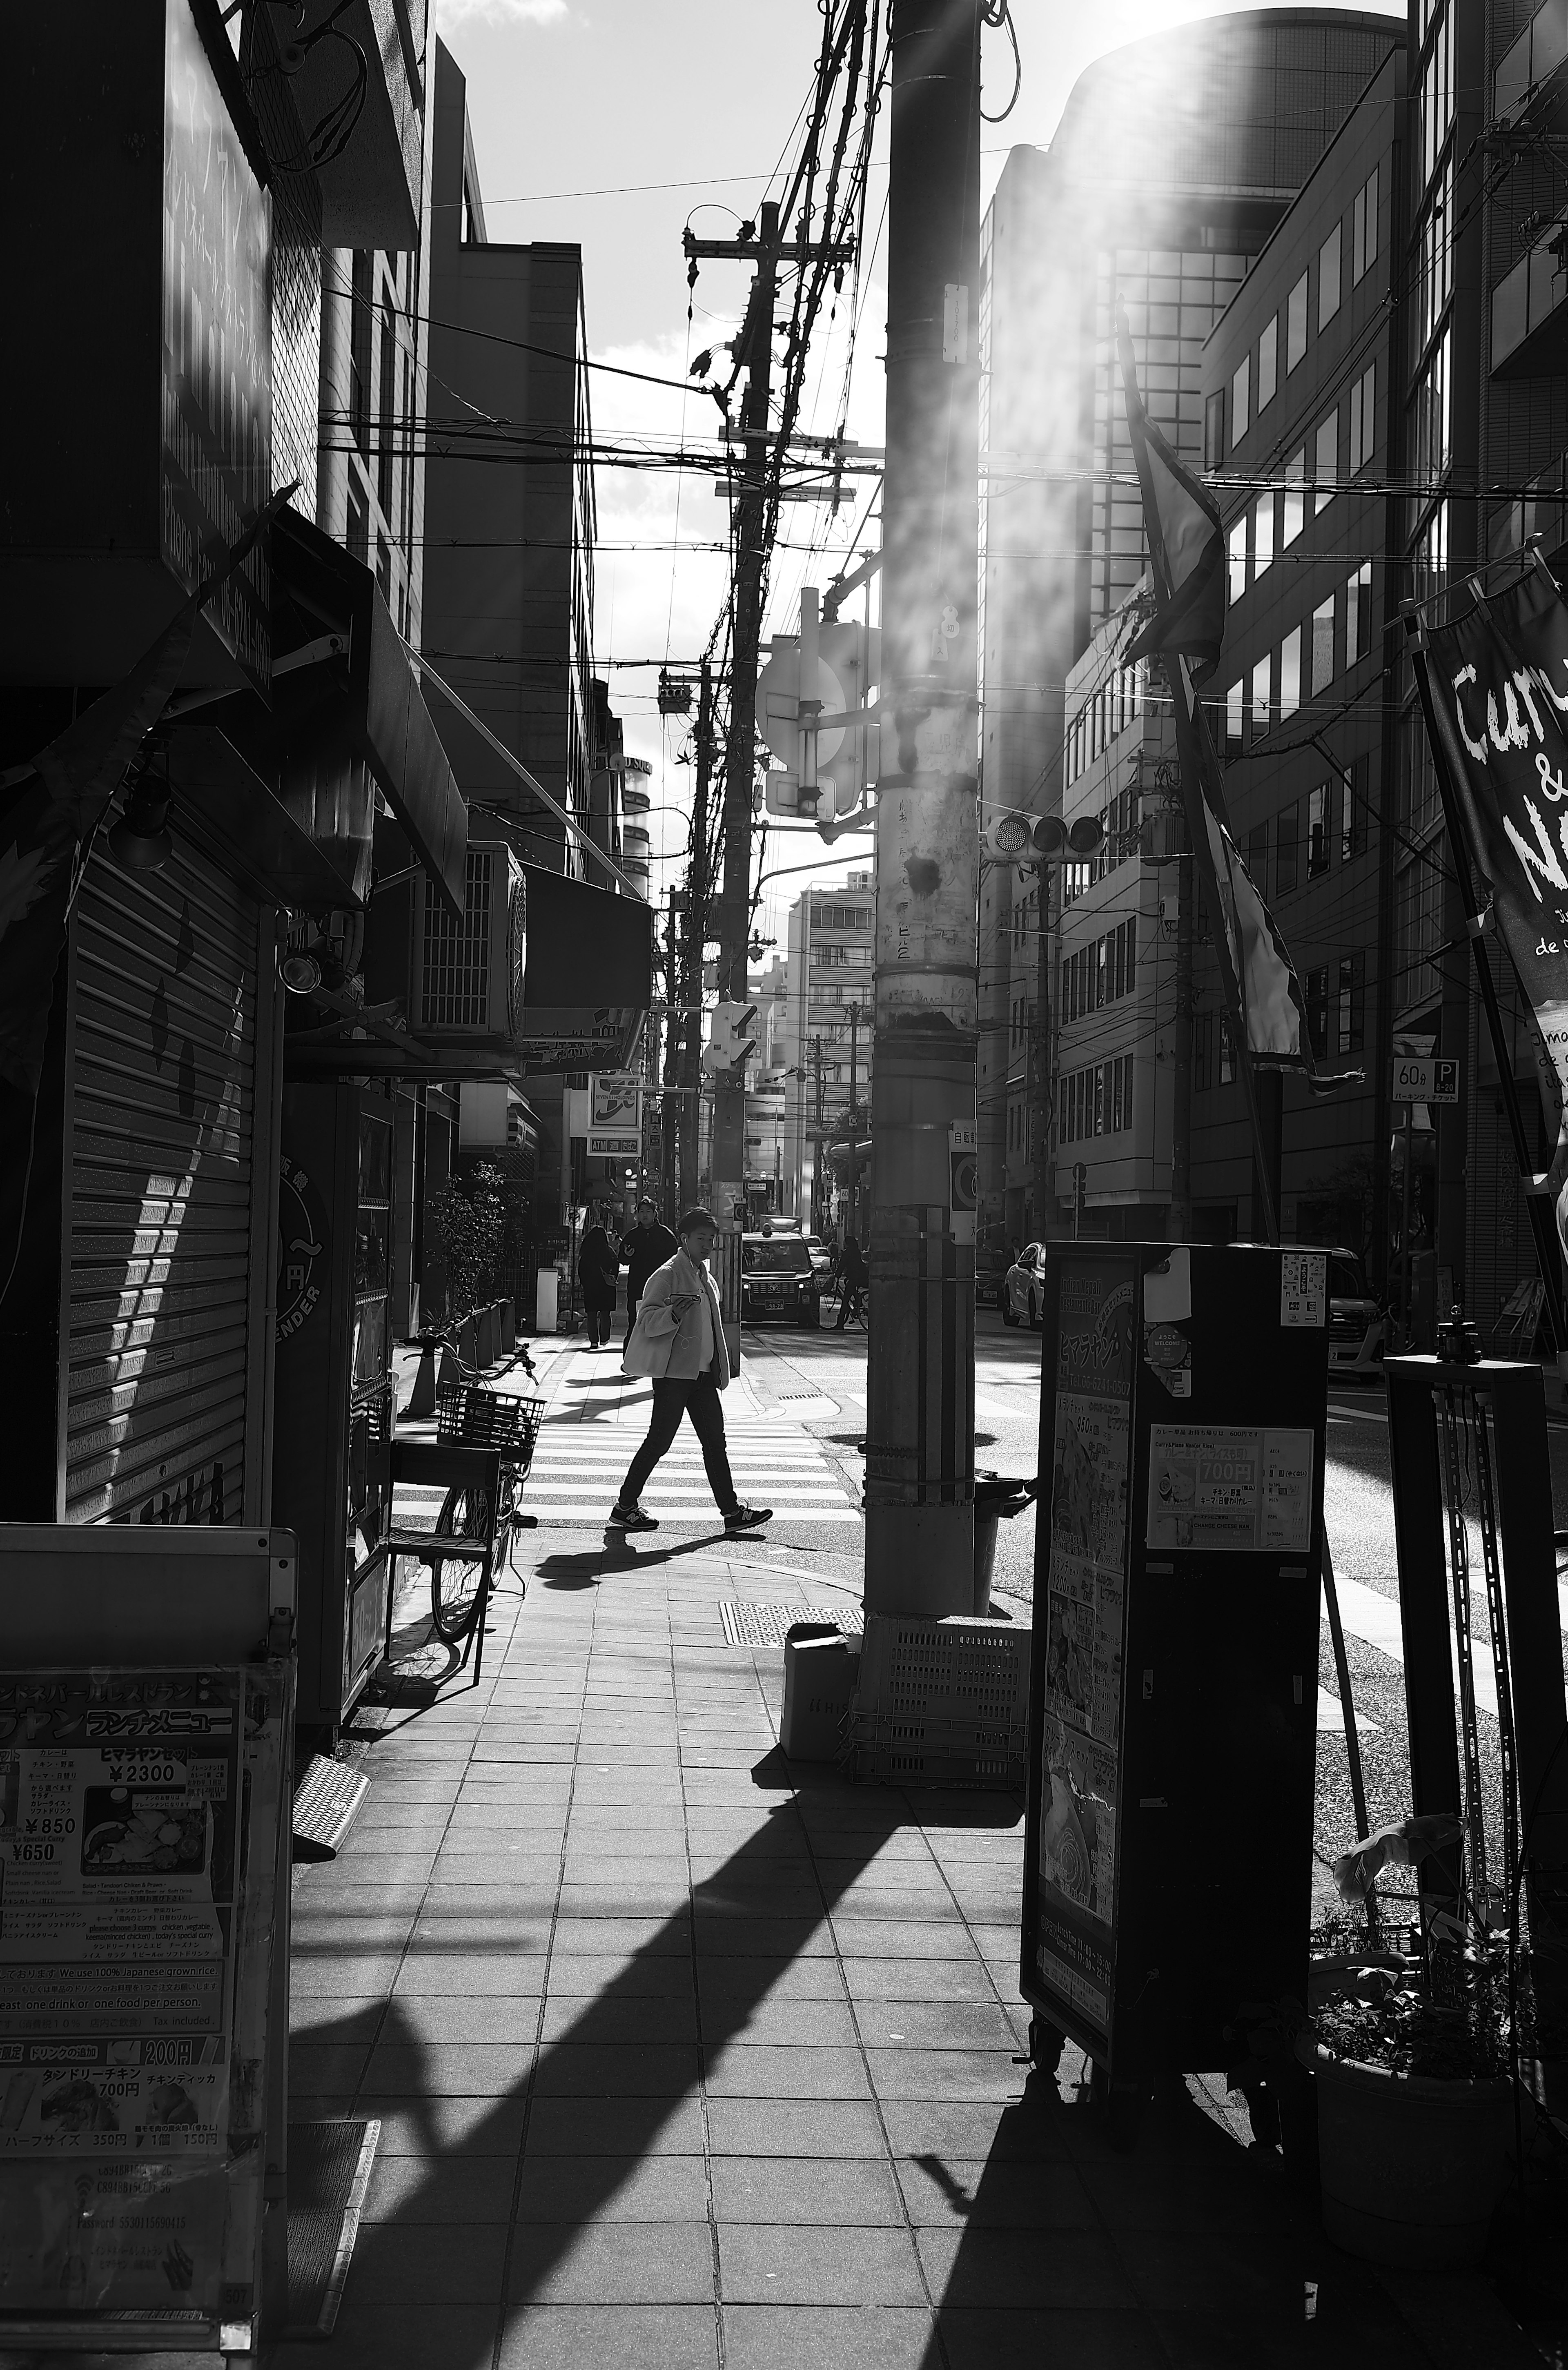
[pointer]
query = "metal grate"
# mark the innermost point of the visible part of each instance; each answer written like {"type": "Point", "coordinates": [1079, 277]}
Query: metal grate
{"type": "Point", "coordinates": [768, 1624]}
{"type": "Point", "coordinates": [456, 960]}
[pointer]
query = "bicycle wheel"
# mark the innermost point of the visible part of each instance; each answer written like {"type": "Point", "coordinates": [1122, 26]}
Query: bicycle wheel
{"type": "Point", "coordinates": [454, 1579]}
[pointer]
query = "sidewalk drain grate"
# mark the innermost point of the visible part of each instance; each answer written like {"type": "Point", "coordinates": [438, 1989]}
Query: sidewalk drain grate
{"type": "Point", "coordinates": [768, 1624]}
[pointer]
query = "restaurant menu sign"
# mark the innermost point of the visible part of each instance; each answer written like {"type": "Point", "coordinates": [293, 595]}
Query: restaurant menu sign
{"type": "Point", "coordinates": [134, 1941]}
{"type": "Point", "coordinates": [1226, 1489]}
{"type": "Point", "coordinates": [1079, 1806]}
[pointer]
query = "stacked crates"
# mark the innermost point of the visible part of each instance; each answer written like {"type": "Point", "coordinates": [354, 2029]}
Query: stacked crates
{"type": "Point", "coordinates": [940, 1702]}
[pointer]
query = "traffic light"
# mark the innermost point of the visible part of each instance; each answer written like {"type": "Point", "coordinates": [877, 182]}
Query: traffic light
{"type": "Point", "coordinates": [849, 660]}
{"type": "Point", "coordinates": [1015, 838]}
{"type": "Point", "coordinates": [732, 1040]}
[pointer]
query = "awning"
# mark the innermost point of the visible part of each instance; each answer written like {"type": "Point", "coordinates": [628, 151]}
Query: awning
{"type": "Point", "coordinates": [590, 975]}
{"type": "Point", "coordinates": [349, 706]}
{"type": "Point", "coordinates": [257, 838]}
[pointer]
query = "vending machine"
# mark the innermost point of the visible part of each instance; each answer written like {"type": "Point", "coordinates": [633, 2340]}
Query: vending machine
{"type": "Point", "coordinates": [1174, 1680]}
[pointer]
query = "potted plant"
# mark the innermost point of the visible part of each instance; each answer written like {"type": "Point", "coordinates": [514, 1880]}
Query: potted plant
{"type": "Point", "coordinates": [1413, 2058]}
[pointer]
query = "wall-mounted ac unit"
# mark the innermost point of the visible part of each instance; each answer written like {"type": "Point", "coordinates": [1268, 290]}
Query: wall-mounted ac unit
{"type": "Point", "coordinates": [465, 980]}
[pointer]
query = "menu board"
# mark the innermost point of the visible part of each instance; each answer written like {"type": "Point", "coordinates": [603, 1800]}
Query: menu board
{"type": "Point", "coordinates": [1227, 1489]}
{"type": "Point", "coordinates": [1084, 1611]}
{"type": "Point", "coordinates": [135, 1921]}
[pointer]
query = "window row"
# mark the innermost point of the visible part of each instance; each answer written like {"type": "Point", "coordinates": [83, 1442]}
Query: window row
{"type": "Point", "coordinates": [1097, 1100]}
{"type": "Point", "coordinates": [832, 956]}
{"type": "Point", "coordinates": [1276, 520]}
{"type": "Point", "coordinates": [1109, 710]}
{"type": "Point", "coordinates": [1303, 666]}
{"type": "Point", "coordinates": [1099, 973]}
{"type": "Point", "coordinates": [1297, 843]}
{"type": "Point", "coordinates": [1020, 1019]}
{"type": "Point", "coordinates": [1213, 1059]}
{"type": "Point", "coordinates": [1335, 998]}
{"type": "Point", "coordinates": [1255, 380]}
{"type": "Point", "coordinates": [1122, 819]}
{"type": "Point", "coordinates": [841, 918]}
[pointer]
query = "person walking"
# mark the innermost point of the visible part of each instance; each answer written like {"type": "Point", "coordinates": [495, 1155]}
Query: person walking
{"type": "Point", "coordinates": [598, 1272]}
{"type": "Point", "coordinates": [647, 1246]}
{"type": "Point", "coordinates": [679, 1341]}
{"type": "Point", "coordinates": [851, 1277]}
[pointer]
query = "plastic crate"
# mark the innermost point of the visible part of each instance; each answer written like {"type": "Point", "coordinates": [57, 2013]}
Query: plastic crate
{"type": "Point", "coordinates": [467, 1416]}
{"type": "Point", "coordinates": [933, 1752]}
{"type": "Point", "coordinates": [956, 1670]}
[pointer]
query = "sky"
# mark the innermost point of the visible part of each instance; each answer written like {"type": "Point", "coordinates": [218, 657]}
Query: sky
{"type": "Point", "coordinates": [612, 125]}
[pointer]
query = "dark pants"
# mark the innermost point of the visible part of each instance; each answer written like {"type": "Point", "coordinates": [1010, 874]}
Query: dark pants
{"type": "Point", "coordinates": [598, 1321]}
{"type": "Point", "coordinates": [633, 1301]}
{"type": "Point", "coordinates": [672, 1400]}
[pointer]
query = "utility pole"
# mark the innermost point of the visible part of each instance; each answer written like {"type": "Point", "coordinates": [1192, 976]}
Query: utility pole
{"type": "Point", "coordinates": [697, 931]}
{"type": "Point", "coordinates": [734, 903]}
{"type": "Point", "coordinates": [920, 1408]}
{"type": "Point", "coordinates": [1180, 1221]}
{"type": "Point", "coordinates": [1045, 1082]}
{"type": "Point", "coordinates": [854, 1124]}
{"type": "Point", "coordinates": [670, 1102]}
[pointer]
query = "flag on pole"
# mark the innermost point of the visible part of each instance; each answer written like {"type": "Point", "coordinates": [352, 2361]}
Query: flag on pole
{"type": "Point", "coordinates": [1189, 613]}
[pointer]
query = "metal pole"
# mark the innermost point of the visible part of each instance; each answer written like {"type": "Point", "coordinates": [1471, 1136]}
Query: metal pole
{"type": "Point", "coordinates": [1404, 1229]}
{"type": "Point", "coordinates": [920, 1396]}
{"type": "Point", "coordinates": [1040, 1043]}
{"type": "Point", "coordinates": [1180, 1221]}
{"type": "Point", "coordinates": [854, 1090]}
{"type": "Point", "coordinates": [695, 932]}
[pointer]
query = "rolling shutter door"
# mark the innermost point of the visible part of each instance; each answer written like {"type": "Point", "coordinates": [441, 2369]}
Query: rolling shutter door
{"type": "Point", "coordinates": [162, 1100]}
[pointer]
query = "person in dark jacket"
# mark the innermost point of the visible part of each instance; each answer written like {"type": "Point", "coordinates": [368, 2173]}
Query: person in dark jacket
{"type": "Point", "coordinates": [852, 1277]}
{"type": "Point", "coordinates": [598, 1272]}
{"type": "Point", "coordinates": [648, 1246]}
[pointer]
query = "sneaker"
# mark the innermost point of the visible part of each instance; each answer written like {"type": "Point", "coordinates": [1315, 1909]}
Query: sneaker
{"type": "Point", "coordinates": [748, 1518]}
{"type": "Point", "coordinates": [632, 1518]}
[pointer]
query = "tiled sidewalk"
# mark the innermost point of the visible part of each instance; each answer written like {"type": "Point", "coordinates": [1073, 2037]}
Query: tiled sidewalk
{"type": "Point", "coordinates": [684, 2058]}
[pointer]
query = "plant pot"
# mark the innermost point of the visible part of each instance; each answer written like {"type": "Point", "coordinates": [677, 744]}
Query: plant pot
{"type": "Point", "coordinates": [1411, 2167]}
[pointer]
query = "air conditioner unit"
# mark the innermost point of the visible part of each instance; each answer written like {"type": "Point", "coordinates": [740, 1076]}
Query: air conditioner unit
{"type": "Point", "coordinates": [465, 980]}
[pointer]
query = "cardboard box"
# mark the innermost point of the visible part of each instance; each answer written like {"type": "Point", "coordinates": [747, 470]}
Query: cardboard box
{"type": "Point", "coordinates": [821, 1666]}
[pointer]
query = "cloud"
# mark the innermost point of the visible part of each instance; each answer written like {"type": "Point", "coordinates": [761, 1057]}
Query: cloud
{"type": "Point", "coordinates": [500, 12]}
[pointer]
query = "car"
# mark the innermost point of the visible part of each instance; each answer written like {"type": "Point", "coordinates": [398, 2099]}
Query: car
{"type": "Point", "coordinates": [779, 1279]}
{"type": "Point", "coordinates": [991, 1264]}
{"type": "Point", "coordinates": [1023, 1293]}
{"type": "Point", "coordinates": [821, 1258]}
{"type": "Point", "coordinates": [1359, 1329]}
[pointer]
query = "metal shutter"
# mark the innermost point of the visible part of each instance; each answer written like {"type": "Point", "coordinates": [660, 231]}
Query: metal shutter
{"type": "Point", "coordinates": [161, 1096]}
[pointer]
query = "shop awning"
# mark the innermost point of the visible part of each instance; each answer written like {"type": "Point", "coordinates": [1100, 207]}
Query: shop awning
{"type": "Point", "coordinates": [259, 840]}
{"type": "Point", "coordinates": [590, 975]}
{"type": "Point", "coordinates": [347, 717]}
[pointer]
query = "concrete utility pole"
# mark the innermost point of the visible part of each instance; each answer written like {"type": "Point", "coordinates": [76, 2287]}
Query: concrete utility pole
{"type": "Point", "coordinates": [854, 1179]}
{"type": "Point", "coordinates": [1040, 1041]}
{"type": "Point", "coordinates": [697, 931]}
{"type": "Point", "coordinates": [921, 1428]}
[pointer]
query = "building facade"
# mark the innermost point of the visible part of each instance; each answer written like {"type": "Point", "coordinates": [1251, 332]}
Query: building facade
{"type": "Point", "coordinates": [827, 1040]}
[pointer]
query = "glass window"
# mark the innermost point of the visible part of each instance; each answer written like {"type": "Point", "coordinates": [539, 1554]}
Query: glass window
{"type": "Point", "coordinates": [1363, 419]}
{"type": "Point", "coordinates": [1239, 413]}
{"type": "Point", "coordinates": [1260, 690]}
{"type": "Point", "coordinates": [1296, 326]}
{"type": "Point", "coordinates": [1233, 720]}
{"type": "Point", "coordinates": [1290, 672]}
{"type": "Point", "coordinates": [1322, 645]}
{"type": "Point", "coordinates": [1351, 973]}
{"type": "Point", "coordinates": [1294, 514]}
{"type": "Point", "coordinates": [1430, 402]}
{"type": "Point", "coordinates": [1364, 233]}
{"type": "Point", "coordinates": [1287, 830]}
{"type": "Point", "coordinates": [1238, 558]}
{"type": "Point", "coordinates": [1325, 460]}
{"type": "Point", "coordinates": [1268, 363]}
{"type": "Point", "coordinates": [1317, 831]}
{"type": "Point", "coordinates": [1329, 277]}
{"type": "Point", "coordinates": [1352, 835]}
{"type": "Point", "coordinates": [1213, 429]}
{"type": "Point", "coordinates": [1358, 614]}
{"type": "Point", "coordinates": [1262, 533]}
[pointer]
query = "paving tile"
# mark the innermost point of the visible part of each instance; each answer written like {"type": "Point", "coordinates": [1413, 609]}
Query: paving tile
{"type": "Point", "coordinates": [317, 2068]}
{"type": "Point", "coordinates": [829, 2336]}
{"type": "Point", "coordinates": [316, 1969]}
{"type": "Point", "coordinates": [338, 2018]}
{"type": "Point", "coordinates": [411, 2189]}
{"type": "Point", "coordinates": [634, 2018]}
{"type": "Point", "coordinates": [452, 1934]}
{"type": "Point", "coordinates": [506, 1974]}
{"type": "Point", "coordinates": [462, 1861]}
{"type": "Point", "coordinates": [594, 2069]}
{"type": "Point", "coordinates": [1237, 2274]}
{"type": "Point", "coordinates": [618, 2126]}
{"type": "Point", "coordinates": [583, 2189]}
{"type": "Point", "coordinates": [596, 1936]}
{"type": "Point", "coordinates": [940, 2025]}
{"type": "Point", "coordinates": [613, 2263]}
{"type": "Point", "coordinates": [869, 1938]}
{"type": "Point", "coordinates": [912, 1979]}
{"type": "Point", "coordinates": [790, 2264]}
{"type": "Point", "coordinates": [610, 2337]}
{"type": "Point", "coordinates": [971, 2194]}
{"type": "Point", "coordinates": [441, 2130]}
{"type": "Point", "coordinates": [409, 2262]}
{"type": "Point", "coordinates": [955, 2130]}
{"type": "Point", "coordinates": [390, 1872]}
{"type": "Point", "coordinates": [980, 2339]}
{"type": "Point", "coordinates": [740, 1937]}
{"type": "Point", "coordinates": [976, 2073]}
{"type": "Point", "coordinates": [639, 1975]}
{"type": "Point", "coordinates": [653, 1898]}
{"type": "Point", "coordinates": [806, 2190]}
{"type": "Point", "coordinates": [761, 2069]}
{"type": "Point", "coordinates": [378, 2336]}
{"type": "Point", "coordinates": [457, 2069]}
{"type": "Point", "coordinates": [1072, 2266]}
{"type": "Point", "coordinates": [785, 2022]}
{"type": "Point", "coordinates": [809, 2127]}
{"type": "Point", "coordinates": [453, 2015]}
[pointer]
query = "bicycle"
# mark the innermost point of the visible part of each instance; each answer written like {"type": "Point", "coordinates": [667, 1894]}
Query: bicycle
{"type": "Point", "coordinates": [858, 1312]}
{"type": "Point", "coordinates": [470, 1415]}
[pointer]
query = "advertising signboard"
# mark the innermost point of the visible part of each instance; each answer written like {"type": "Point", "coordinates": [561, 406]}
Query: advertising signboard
{"type": "Point", "coordinates": [614, 1114]}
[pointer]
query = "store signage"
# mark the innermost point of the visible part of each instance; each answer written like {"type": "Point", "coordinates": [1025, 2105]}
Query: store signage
{"type": "Point", "coordinates": [1415, 1080]}
{"type": "Point", "coordinates": [216, 388]}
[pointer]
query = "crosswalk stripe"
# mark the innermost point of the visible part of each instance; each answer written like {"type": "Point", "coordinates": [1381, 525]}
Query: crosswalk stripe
{"type": "Point", "coordinates": [696, 1516]}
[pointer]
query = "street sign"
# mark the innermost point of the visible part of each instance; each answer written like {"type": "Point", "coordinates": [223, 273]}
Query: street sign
{"type": "Point", "coordinates": [1419, 1078]}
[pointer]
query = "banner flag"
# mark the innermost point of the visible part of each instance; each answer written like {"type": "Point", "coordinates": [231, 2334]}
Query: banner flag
{"type": "Point", "coordinates": [1499, 677]}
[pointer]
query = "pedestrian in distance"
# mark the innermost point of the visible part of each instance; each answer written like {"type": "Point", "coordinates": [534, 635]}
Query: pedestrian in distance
{"type": "Point", "coordinates": [647, 1246]}
{"type": "Point", "coordinates": [852, 1276]}
{"type": "Point", "coordinates": [679, 1341]}
{"type": "Point", "coordinates": [598, 1273]}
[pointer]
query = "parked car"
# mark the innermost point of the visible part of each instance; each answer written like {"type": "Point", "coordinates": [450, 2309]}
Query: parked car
{"type": "Point", "coordinates": [779, 1279]}
{"type": "Point", "coordinates": [1024, 1293]}
{"type": "Point", "coordinates": [821, 1258]}
{"type": "Point", "coordinates": [991, 1264]}
{"type": "Point", "coordinates": [1359, 1329]}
